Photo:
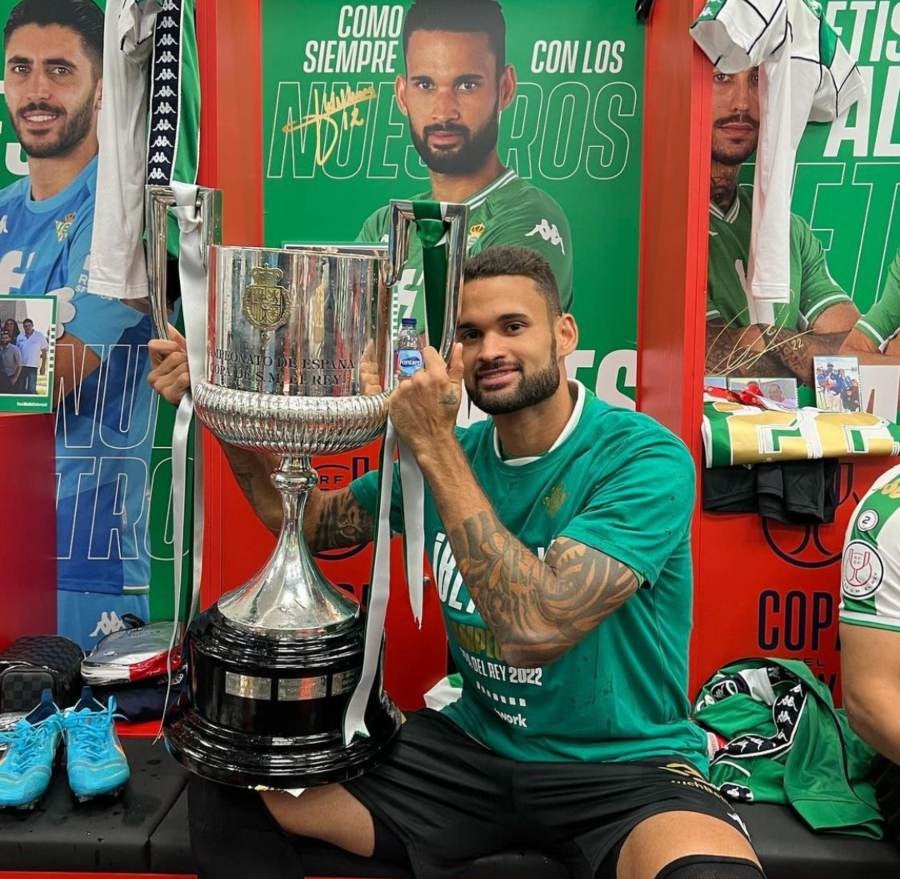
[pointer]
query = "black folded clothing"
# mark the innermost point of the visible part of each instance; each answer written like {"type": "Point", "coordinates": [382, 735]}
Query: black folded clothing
{"type": "Point", "coordinates": [793, 492]}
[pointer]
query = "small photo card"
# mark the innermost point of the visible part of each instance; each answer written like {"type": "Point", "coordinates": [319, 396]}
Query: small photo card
{"type": "Point", "coordinates": [27, 347]}
{"type": "Point", "coordinates": [715, 381]}
{"type": "Point", "coordinates": [781, 391]}
{"type": "Point", "coordinates": [837, 384]}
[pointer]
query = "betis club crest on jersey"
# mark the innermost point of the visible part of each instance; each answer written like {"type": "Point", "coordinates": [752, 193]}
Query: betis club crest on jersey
{"type": "Point", "coordinates": [63, 226]}
{"type": "Point", "coordinates": [265, 302]}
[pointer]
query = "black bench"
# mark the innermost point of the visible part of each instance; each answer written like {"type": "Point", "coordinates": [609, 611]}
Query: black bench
{"type": "Point", "coordinates": [146, 831]}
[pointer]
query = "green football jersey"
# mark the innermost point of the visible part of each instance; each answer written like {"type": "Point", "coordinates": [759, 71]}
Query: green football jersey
{"type": "Point", "coordinates": [727, 296]}
{"type": "Point", "coordinates": [507, 211]}
{"type": "Point", "coordinates": [618, 482]}
{"type": "Point", "coordinates": [787, 743]}
{"type": "Point", "coordinates": [882, 321]}
{"type": "Point", "coordinates": [870, 570]}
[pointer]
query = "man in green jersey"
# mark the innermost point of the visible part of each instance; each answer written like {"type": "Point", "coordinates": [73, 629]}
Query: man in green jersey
{"type": "Point", "coordinates": [876, 337]}
{"type": "Point", "coordinates": [456, 84]}
{"type": "Point", "coordinates": [559, 533]}
{"type": "Point", "coordinates": [870, 616]}
{"type": "Point", "coordinates": [870, 633]}
{"type": "Point", "coordinates": [745, 336]}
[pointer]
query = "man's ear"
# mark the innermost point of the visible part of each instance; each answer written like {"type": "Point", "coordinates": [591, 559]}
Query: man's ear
{"type": "Point", "coordinates": [507, 87]}
{"type": "Point", "coordinates": [566, 335]}
{"type": "Point", "coordinates": [98, 94]}
{"type": "Point", "coordinates": [400, 94]}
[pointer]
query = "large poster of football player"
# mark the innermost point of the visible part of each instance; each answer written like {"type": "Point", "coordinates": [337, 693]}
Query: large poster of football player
{"type": "Point", "coordinates": [76, 152]}
{"type": "Point", "coordinates": [469, 102]}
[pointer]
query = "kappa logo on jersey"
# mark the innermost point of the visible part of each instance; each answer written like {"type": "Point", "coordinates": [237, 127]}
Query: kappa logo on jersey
{"type": "Point", "coordinates": [867, 521]}
{"type": "Point", "coordinates": [863, 570]}
{"type": "Point", "coordinates": [63, 226]}
{"type": "Point", "coordinates": [164, 103]}
{"type": "Point", "coordinates": [108, 623]}
{"type": "Point", "coordinates": [548, 232]}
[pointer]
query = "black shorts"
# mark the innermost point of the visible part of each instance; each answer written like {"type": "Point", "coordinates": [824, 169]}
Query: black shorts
{"type": "Point", "coordinates": [450, 800]}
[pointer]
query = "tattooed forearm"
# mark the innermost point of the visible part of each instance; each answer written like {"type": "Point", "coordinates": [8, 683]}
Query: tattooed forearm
{"type": "Point", "coordinates": [780, 349]}
{"type": "Point", "coordinates": [536, 610]}
{"type": "Point", "coordinates": [337, 520]}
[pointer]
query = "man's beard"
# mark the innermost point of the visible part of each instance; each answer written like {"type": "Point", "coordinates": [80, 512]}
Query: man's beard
{"type": "Point", "coordinates": [732, 157]}
{"type": "Point", "coordinates": [532, 389]}
{"type": "Point", "coordinates": [75, 129]}
{"type": "Point", "coordinates": [467, 158]}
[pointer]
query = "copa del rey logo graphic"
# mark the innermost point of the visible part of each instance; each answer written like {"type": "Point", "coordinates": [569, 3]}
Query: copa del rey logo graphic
{"type": "Point", "coordinates": [863, 569]}
{"type": "Point", "coordinates": [548, 232]}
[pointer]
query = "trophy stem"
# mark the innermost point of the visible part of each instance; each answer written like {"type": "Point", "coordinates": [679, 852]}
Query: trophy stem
{"type": "Point", "coordinates": [295, 478]}
{"type": "Point", "coordinates": [289, 596]}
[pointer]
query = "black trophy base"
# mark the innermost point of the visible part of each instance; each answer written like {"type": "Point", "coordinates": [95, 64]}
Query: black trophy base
{"type": "Point", "coordinates": [267, 712]}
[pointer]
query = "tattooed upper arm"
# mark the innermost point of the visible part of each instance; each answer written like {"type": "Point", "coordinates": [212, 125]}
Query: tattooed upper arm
{"type": "Point", "coordinates": [537, 610]}
{"type": "Point", "coordinates": [340, 520]}
{"type": "Point", "coordinates": [588, 586]}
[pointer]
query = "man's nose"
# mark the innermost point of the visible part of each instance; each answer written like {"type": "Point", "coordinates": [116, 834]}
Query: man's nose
{"type": "Point", "coordinates": [446, 106]}
{"type": "Point", "coordinates": [742, 93]}
{"type": "Point", "coordinates": [37, 86]}
{"type": "Point", "coordinates": [492, 348]}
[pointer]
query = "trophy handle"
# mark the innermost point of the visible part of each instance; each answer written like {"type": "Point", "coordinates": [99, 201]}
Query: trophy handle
{"type": "Point", "coordinates": [158, 201]}
{"type": "Point", "coordinates": [403, 213]}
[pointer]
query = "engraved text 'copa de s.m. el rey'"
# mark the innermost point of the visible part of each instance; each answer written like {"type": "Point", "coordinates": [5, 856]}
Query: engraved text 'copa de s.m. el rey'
{"type": "Point", "coordinates": [229, 365]}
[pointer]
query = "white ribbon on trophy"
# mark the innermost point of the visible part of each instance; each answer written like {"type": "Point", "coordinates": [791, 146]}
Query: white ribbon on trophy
{"type": "Point", "coordinates": [439, 245]}
{"type": "Point", "coordinates": [195, 209]}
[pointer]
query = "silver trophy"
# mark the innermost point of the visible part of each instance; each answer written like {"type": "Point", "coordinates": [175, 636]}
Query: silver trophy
{"type": "Point", "coordinates": [293, 336]}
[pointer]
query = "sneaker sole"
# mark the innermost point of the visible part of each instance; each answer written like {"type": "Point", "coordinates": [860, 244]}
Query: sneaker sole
{"type": "Point", "coordinates": [112, 792]}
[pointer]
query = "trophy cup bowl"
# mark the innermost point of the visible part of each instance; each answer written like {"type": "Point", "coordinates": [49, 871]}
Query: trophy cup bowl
{"type": "Point", "coordinates": [291, 335]}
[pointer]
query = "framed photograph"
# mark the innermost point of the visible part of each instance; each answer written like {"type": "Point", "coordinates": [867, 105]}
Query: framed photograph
{"type": "Point", "coordinates": [781, 391]}
{"type": "Point", "coordinates": [27, 348]}
{"type": "Point", "coordinates": [837, 384]}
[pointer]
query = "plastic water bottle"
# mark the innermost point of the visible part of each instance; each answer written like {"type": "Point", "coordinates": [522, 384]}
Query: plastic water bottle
{"type": "Point", "coordinates": [409, 353]}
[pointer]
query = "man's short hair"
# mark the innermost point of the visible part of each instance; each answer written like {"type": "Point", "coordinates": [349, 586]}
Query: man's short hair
{"type": "Point", "coordinates": [459, 16]}
{"type": "Point", "coordinates": [82, 16]}
{"type": "Point", "coordinates": [521, 262]}
{"type": "Point", "coordinates": [27, 320]}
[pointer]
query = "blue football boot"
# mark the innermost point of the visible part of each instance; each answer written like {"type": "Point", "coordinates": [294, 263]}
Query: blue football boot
{"type": "Point", "coordinates": [94, 756]}
{"type": "Point", "coordinates": [26, 754]}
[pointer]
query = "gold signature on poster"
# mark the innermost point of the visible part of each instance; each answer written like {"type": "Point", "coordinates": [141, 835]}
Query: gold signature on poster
{"type": "Point", "coordinates": [324, 118]}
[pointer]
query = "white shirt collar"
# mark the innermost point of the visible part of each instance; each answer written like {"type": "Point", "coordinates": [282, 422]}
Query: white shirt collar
{"type": "Point", "coordinates": [566, 432]}
{"type": "Point", "coordinates": [731, 214]}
